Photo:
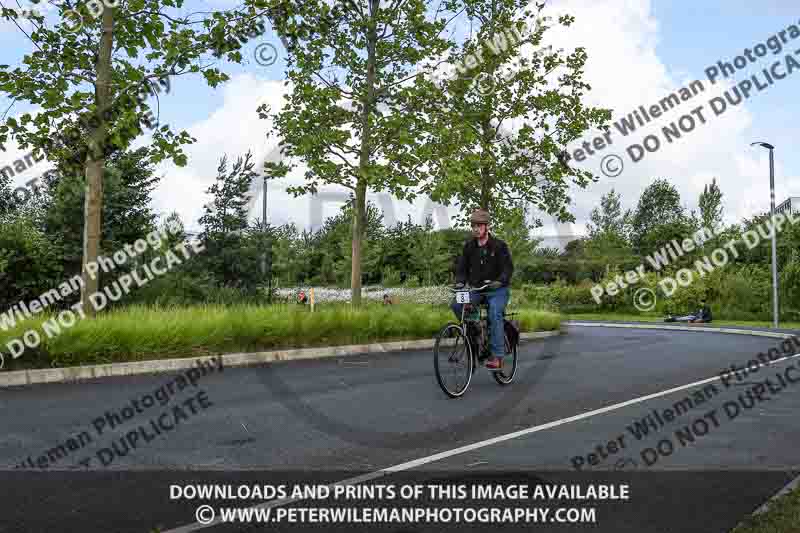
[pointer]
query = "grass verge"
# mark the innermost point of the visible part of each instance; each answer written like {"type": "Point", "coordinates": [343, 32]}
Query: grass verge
{"type": "Point", "coordinates": [140, 333]}
{"type": "Point", "coordinates": [782, 516]}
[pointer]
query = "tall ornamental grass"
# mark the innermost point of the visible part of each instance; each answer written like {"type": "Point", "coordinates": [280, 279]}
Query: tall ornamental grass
{"type": "Point", "coordinates": [139, 333]}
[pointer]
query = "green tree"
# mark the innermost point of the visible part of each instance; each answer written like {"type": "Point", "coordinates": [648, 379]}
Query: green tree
{"type": "Point", "coordinates": [232, 252]}
{"type": "Point", "coordinates": [6, 196]}
{"type": "Point", "coordinates": [545, 266]}
{"type": "Point", "coordinates": [710, 204]}
{"type": "Point", "coordinates": [177, 233]}
{"type": "Point", "coordinates": [428, 253]}
{"type": "Point", "coordinates": [711, 211]}
{"type": "Point", "coordinates": [308, 256]}
{"type": "Point", "coordinates": [397, 248]}
{"type": "Point", "coordinates": [477, 155]}
{"type": "Point", "coordinates": [607, 245]}
{"type": "Point", "coordinates": [286, 265]}
{"type": "Point", "coordinates": [659, 218]}
{"type": "Point", "coordinates": [516, 231]}
{"type": "Point", "coordinates": [790, 287]}
{"type": "Point", "coordinates": [373, 230]}
{"type": "Point", "coordinates": [350, 117]}
{"type": "Point", "coordinates": [29, 264]}
{"type": "Point", "coordinates": [609, 219]}
{"type": "Point", "coordinates": [85, 86]}
{"type": "Point", "coordinates": [127, 193]}
{"type": "Point", "coordinates": [454, 240]}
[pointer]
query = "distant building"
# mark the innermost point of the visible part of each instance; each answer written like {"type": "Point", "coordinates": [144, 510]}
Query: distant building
{"type": "Point", "coordinates": [791, 206]}
{"type": "Point", "coordinates": [191, 236]}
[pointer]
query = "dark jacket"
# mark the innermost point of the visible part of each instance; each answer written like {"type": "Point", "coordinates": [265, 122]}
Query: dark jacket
{"type": "Point", "coordinates": [479, 263]}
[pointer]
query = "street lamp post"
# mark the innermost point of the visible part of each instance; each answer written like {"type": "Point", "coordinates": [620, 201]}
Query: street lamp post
{"type": "Point", "coordinates": [774, 231]}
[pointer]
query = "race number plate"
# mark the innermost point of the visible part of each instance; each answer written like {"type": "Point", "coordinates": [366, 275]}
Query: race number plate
{"type": "Point", "coordinates": [462, 297]}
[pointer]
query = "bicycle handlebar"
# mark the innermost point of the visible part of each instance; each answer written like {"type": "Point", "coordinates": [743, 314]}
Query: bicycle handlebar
{"type": "Point", "coordinates": [468, 288]}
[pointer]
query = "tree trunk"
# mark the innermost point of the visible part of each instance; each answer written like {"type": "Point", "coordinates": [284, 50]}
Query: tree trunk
{"type": "Point", "coordinates": [359, 209]}
{"type": "Point", "coordinates": [485, 194]}
{"type": "Point", "coordinates": [358, 236]}
{"type": "Point", "coordinates": [488, 164]}
{"type": "Point", "coordinates": [93, 208]}
{"type": "Point", "coordinates": [95, 165]}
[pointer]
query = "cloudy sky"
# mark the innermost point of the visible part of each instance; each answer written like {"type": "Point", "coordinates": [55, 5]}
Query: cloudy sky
{"type": "Point", "coordinates": [640, 51]}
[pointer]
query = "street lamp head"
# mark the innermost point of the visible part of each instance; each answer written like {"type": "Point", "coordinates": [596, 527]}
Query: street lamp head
{"type": "Point", "coordinates": [765, 145]}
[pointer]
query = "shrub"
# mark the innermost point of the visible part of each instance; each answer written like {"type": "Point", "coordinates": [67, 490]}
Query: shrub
{"type": "Point", "coordinates": [535, 296]}
{"type": "Point", "coordinates": [619, 299]}
{"type": "Point", "coordinates": [684, 299]}
{"type": "Point", "coordinates": [177, 288]}
{"type": "Point", "coordinates": [790, 288]}
{"type": "Point", "coordinates": [30, 263]}
{"type": "Point", "coordinates": [574, 298]}
{"type": "Point", "coordinates": [391, 277]}
{"type": "Point", "coordinates": [745, 293]}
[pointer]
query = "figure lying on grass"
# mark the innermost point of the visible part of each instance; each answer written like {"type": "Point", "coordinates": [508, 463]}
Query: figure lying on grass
{"type": "Point", "coordinates": [703, 315]}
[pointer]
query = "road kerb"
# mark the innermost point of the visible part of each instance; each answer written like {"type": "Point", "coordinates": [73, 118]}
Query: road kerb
{"type": "Point", "coordinates": [80, 373]}
{"type": "Point", "coordinates": [757, 333]}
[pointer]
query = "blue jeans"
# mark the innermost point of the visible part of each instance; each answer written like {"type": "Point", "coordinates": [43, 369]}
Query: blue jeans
{"type": "Point", "coordinates": [497, 300]}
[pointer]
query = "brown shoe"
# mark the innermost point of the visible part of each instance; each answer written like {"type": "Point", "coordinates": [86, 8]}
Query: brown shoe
{"type": "Point", "coordinates": [494, 364]}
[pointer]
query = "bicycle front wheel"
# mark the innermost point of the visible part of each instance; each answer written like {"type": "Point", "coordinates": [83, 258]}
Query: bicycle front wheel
{"type": "Point", "coordinates": [452, 361]}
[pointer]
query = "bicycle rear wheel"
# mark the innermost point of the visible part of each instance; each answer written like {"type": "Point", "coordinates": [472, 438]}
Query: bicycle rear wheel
{"type": "Point", "coordinates": [506, 375]}
{"type": "Point", "coordinates": [452, 361]}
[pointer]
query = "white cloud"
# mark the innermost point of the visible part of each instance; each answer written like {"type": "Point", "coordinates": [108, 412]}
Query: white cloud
{"type": "Point", "coordinates": [43, 8]}
{"type": "Point", "coordinates": [624, 72]}
{"type": "Point", "coordinates": [234, 129]}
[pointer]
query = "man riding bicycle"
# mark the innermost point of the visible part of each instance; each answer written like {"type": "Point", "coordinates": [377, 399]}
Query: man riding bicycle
{"type": "Point", "coordinates": [487, 258]}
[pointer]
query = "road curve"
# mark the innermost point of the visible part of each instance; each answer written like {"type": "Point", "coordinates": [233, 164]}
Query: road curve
{"type": "Point", "coordinates": [368, 413]}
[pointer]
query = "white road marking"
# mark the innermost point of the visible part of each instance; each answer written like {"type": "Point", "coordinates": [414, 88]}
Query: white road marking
{"type": "Point", "coordinates": [482, 444]}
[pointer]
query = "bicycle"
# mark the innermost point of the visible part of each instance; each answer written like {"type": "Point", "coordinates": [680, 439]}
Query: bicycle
{"type": "Point", "coordinates": [469, 339]}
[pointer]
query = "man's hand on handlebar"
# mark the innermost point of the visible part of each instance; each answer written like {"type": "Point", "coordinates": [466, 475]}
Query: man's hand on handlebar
{"type": "Point", "coordinates": [495, 284]}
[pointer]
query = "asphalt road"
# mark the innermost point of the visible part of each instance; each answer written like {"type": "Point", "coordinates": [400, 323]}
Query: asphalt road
{"type": "Point", "coordinates": [334, 419]}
